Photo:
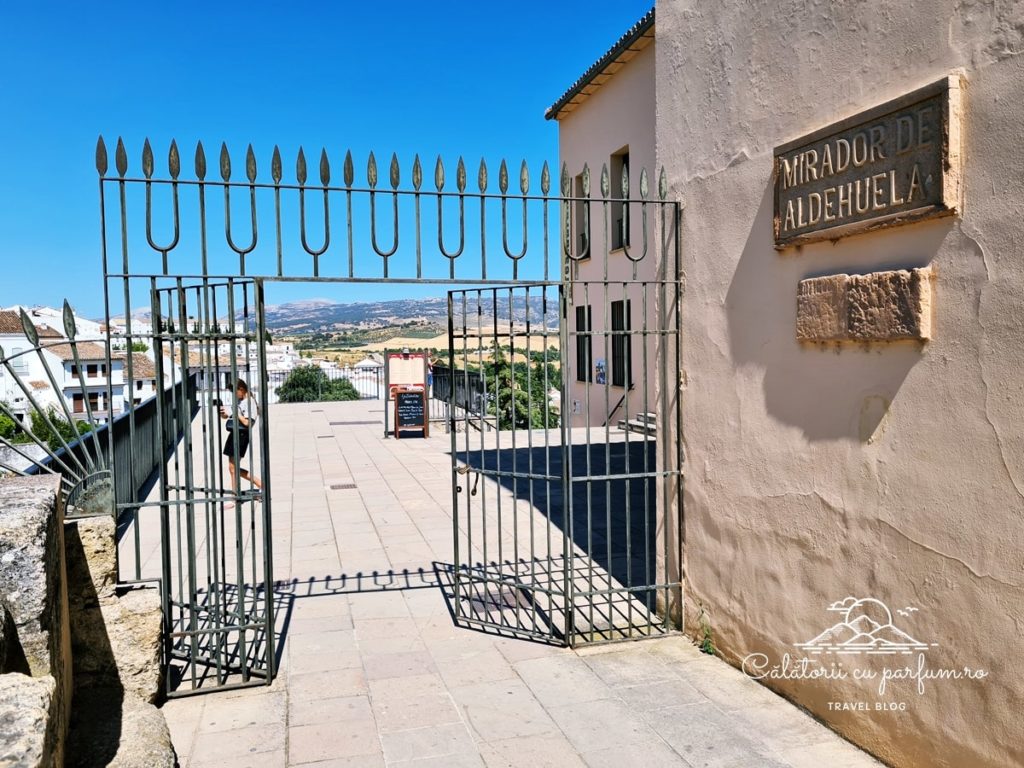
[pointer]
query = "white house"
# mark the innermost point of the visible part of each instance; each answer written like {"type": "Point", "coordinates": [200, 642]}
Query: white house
{"type": "Point", "coordinates": [94, 372]}
{"type": "Point", "coordinates": [26, 365]}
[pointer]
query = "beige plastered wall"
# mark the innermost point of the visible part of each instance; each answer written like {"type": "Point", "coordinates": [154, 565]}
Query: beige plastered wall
{"type": "Point", "coordinates": [893, 472]}
{"type": "Point", "coordinates": [620, 113]}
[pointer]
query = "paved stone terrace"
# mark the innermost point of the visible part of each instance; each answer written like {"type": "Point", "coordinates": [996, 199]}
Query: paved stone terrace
{"type": "Point", "coordinates": [374, 673]}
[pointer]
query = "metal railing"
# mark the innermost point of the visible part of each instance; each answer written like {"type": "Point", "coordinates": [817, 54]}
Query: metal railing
{"type": "Point", "coordinates": [470, 392]}
{"type": "Point", "coordinates": [368, 382]}
{"type": "Point", "coordinates": [132, 441]}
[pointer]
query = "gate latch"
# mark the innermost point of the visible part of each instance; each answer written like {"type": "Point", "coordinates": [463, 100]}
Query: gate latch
{"type": "Point", "coordinates": [465, 469]}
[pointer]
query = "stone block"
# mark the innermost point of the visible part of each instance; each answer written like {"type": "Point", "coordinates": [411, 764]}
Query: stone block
{"type": "Point", "coordinates": [117, 644]}
{"type": "Point", "coordinates": [27, 727]}
{"type": "Point", "coordinates": [118, 730]}
{"type": "Point", "coordinates": [33, 587]}
{"type": "Point", "coordinates": [91, 560]}
{"type": "Point", "coordinates": [877, 307]}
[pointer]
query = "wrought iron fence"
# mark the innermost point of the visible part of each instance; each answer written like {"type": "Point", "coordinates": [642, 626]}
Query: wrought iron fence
{"type": "Point", "coordinates": [133, 443]}
{"type": "Point", "coordinates": [463, 389]}
{"type": "Point", "coordinates": [82, 446]}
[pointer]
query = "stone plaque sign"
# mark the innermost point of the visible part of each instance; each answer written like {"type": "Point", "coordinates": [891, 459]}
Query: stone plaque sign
{"type": "Point", "coordinates": [880, 306]}
{"type": "Point", "coordinates": [896, 163]}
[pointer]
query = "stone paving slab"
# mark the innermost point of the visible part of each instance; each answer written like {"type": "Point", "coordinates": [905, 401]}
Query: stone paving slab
{"type": "Point", "coordinates": [374, 673]}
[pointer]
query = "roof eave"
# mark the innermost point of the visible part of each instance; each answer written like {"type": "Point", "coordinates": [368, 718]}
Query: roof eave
{"type": "Point", "coordinates": [623, 44]}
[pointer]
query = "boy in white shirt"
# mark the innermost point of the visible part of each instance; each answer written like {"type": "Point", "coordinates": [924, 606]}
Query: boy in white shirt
{"type": "Point", "coordinates": [246, 412]}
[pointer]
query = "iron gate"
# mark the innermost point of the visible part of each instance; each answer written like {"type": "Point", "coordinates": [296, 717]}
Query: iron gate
{"type": "Point", "coordinates": [598, 272]}
{"type": "Point", "coordinates": [216, 552]}
{"type": "Point", "coordinates": [556, 470]}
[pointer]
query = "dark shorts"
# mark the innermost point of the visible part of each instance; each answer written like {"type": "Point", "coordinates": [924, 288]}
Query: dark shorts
{"type": "Point", "coordinates": [243, 443]}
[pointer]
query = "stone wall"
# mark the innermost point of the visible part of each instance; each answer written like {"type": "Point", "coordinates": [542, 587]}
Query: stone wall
{"type": "Point", "coordinates": [35, 676]}
{"type": "Point", "coordinates": [79, 655]}
{"type": "Point", "coordinates": [817, 471]}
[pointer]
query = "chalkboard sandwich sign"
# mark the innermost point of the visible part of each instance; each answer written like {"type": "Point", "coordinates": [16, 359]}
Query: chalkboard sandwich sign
{"type": "Point", "coordinates": [411, 411]}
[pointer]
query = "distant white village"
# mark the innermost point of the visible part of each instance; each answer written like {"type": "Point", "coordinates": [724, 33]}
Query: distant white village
{"type": "Point", "coordinates": [52, 374]}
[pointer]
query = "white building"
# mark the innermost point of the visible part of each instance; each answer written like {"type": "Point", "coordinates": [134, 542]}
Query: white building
{"type": "Point", "coordinates": [606, 123]}
{"type": "Point", "coordinates": [91, 369]}
{"type": "Point", "coordinates": [27, 365]}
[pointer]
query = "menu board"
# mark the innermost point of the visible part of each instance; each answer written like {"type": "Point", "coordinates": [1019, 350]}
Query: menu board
{"type": "Point", "coordinates": [410, 410]}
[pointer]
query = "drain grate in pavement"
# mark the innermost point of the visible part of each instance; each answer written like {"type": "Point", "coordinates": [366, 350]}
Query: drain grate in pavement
{"type": "Point", "coordinates": [342, 486]}
{"type": "Point", "coordinates": [350, 423]}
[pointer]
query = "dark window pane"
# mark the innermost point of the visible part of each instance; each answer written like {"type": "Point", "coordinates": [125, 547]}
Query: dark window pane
{"type": "Point", "coordinates": [622, 349]}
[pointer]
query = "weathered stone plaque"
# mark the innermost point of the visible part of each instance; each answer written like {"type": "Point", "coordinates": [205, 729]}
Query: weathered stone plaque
{"type": "Point", "coordinates": [896, 163]}
{"type": "Point", "coordinates": [882, 306]}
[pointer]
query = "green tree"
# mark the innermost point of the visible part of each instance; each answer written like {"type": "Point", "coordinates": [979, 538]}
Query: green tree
{"type": "Point", "coordinates": [9, 429]}
{"type": "Point", "coordinates": [520, 402]}
{"type": "Point", "coordinates": [309, 384]}
{"type": "Point", "coordinates": [70, 432]}
{"type": "Point", "coordinates": [140, 346]}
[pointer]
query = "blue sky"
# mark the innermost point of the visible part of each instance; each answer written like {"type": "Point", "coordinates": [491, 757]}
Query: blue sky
{"type": "Point", "coordinates": [406, 77]}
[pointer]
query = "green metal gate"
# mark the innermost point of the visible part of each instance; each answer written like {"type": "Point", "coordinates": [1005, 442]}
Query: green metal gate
{"type": "Point", "coordinates": [216, 552]}
{"type": "Point", "coordinates": [596, 471]}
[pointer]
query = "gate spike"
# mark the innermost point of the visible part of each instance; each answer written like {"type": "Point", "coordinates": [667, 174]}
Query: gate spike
{"type": "Point", "coordinates": [643, 183]}
{"type": "Point", "coordinates": [348, 169]}
{"type": "Point", "coordinates": [101, 156]}
{"type": "Point", "coordinates": [460, 175]}
{"type": "Point", "coordinates": [662, 184]}
{"type": "Point", "coordinates": [250, 164]}
{"type": "Point", "coordinates": [174, 160]}
{"type": "Point", "coordinates": [325, 168]}
{"type": "Point", "coordinates": [545, 179]}
{"type": "Point", "coordinates": [147, 159]}
{"type": "Point", "coordinates": [120, 158]}
{"type": "Point", "coordinates": [481, 176]}
{"type": "Point", "coordinates": [625, 182]}
{"type": "Point", "coordinates": [524, 178]}
{"type": "Point", "coordinates": [371, 171]}
{"type": "Point", "coordinates": [200, 161]}
{"type": "Point", "coordinates": [30, 330]}
{"type": "Point", "coordinates": [70, 327]}
{"type": "Point", "coordinates": [275, 165]}
{"type": "Point", "coordinates": [503, 177]}
{"type": "Point", "coordinates": [586, 180]}
{"type": "Point", "coordinates": [439, 175]}
{"type": "Point", "coordinates": [395, 178]}
{"type": "Point", "coordinates": [606, 186]}
{"type": "Point", "coordinates": [417, 173]}
{"type": "Point", "coordinates": [566, 188]}
{"type": "Point", "coordinates": [300, 167]}
{"type": "Point", "coordinates": [225, 162]}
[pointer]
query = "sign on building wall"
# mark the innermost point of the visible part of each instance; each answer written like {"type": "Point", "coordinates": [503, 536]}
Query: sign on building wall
{"type": "Point", "coordinates": [896, 163]}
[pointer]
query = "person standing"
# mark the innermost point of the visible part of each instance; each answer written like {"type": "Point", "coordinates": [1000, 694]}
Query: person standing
{"type": "Point", "coordinates": [246, 412]}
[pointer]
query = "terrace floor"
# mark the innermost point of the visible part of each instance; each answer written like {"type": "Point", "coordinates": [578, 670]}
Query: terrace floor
{"type": "Point", "coordinates": [374, 672]}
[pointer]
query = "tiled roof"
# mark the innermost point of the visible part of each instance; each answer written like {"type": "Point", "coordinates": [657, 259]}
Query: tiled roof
{"type": "Point", "coordinates": [142, 366]}
{"type": "Point", "coordinates": [637, 37]}
{"type": "Point", "coordinates": [201, 359]}
{"type": "Point", "coordinates": [87, 352]}
{"type": "Point", "coordinates": [39, 385]}
{"type": "Point", "coordinates": [10, 323]}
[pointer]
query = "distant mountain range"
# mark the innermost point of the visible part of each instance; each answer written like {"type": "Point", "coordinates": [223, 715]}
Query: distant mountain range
{"type": "Point", "coordinates": [321, 315]}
